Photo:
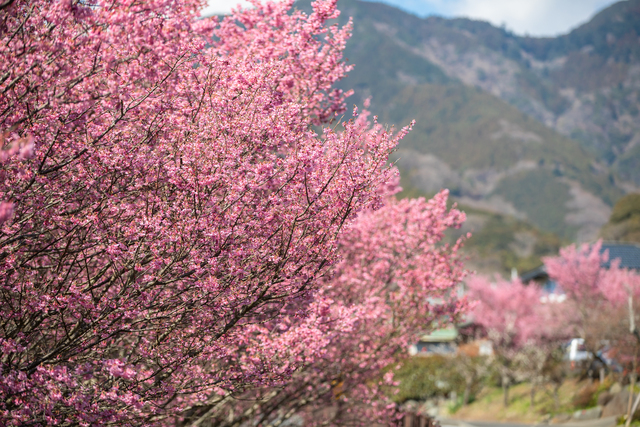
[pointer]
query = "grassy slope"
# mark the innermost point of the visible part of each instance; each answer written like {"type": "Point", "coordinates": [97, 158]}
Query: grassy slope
{"type": "Point", "coordinates": [489, 404]}
{"type": "Point", "coordinates": [498, 238]}
{"type": "Point", "coordinates": [491, 246]}
{"type": "Point", "coordinates": [458, 124]}
{"type": "Point", "coordinates": [624, 224]}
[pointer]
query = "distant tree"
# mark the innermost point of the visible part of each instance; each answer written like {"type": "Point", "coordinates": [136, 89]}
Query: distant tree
{"type": "Point", "coordinates": [600, 290]}
{"type": "Point", "coordinates": [473, 367]}
{"type": "Point", "coordinates": [595, 286]}
{"type": "Point", "coordinates": [524, 331]}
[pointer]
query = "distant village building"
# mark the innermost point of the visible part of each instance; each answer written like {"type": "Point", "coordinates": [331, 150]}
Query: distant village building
{"type": "Point", "coordinates": [440, 341]}
{"type": "Point", "coordinates": [450, 341]}
{"type": "Point", "coordinates": [628, 255]}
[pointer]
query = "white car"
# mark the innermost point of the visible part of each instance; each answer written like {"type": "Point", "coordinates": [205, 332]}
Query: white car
{"type": "Point", "coordinates": [577, 351]}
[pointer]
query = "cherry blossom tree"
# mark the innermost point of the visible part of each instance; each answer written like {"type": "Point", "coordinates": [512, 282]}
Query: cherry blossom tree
{"type": "Point", "coordinates": [524, 331]}
{"type": "Point", "coordinates": [20, 149]}
{"type": "Point", "coordinates": [599, 290]}
{"type": "Point", "coordinates": [579, 273]}
{"type": "Point", "coordinates": [395, 279]}
{"type": "Point", "coordinates": [177, 201]}
{"type": "Point", "coordinates": [594, 284]}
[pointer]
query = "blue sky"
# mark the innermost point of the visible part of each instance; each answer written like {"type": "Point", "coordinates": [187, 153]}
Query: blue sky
{"type": "Point", "coordinates": [533, 17]}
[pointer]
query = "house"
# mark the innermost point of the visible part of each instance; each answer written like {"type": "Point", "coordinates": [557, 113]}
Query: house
{"type": "Point", "coordinates": [451, 341]}
{"type": "Point", "coordinates": [440, 341]}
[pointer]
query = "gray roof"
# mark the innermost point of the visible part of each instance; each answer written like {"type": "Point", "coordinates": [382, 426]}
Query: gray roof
{"type": "Point", "coordinates": [540, 272]}
{"type": "Point", "coordinates": [628, 253]}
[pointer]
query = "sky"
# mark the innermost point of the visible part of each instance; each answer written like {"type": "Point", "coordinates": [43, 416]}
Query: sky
{"type": "Point", "coordinates": [541, 18]}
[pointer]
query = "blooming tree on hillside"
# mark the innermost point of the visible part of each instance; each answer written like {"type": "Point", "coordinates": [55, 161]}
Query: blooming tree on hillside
{"type": "Point", "coordinates": [395, 278]}
{"type": "Point", "coordinates": [599, 290]}
{"type": "Point", "coordinates": [594, 285]}
{"type": "Point", "coordinates": [524, 331]}
{"type": "Point", "coordinates": [177, 200]}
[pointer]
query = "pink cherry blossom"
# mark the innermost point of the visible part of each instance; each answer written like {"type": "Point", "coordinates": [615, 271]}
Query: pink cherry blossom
{"type": "Point", "coordinates": [176, 200]}
{"type": "Point", "coordinates": [523, 330]}
{"type": "Point", "coordinates": [175, 234]}
{"type": "Point", "coordinates": [601, 293]}
{"type": "Point", "coordinates": [395, 279]}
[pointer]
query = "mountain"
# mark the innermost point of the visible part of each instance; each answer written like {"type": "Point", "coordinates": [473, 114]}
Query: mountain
{"type": "Point", "coordinates": [585, 85]}
{"type": "Point", "coordinates": [624, 223]}
{"type": "Point", "coordinates": [536, 138]}
{"type": "Point", "coordinates": [545, 130]}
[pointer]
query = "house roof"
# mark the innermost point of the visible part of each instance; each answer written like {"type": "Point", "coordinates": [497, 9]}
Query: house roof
{"type": "Point", "coordinates": [440, 335]}
{"type": "Point", "coordinates": [537, 273]}
{"type": "Point", "coordinates": [627, 253]}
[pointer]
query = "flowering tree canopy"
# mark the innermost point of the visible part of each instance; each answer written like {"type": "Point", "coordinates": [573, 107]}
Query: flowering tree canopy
{"type": "Point", "coordinates": [176, 201]}
{"type": "Point", "coordinates": [20, 148]}
{"type": "Point", "coordinates": [510, 311]}
{"type": "Point", "coordinates": [524, 331]}
{"type": "Point", "coordinates": [394, 279]}
{"type": "Point", "coordinates": [597, 287]}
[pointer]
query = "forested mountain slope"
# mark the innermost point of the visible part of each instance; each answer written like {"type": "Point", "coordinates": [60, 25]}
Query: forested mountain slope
{"type": "Point", "coordinates": [545, 130]}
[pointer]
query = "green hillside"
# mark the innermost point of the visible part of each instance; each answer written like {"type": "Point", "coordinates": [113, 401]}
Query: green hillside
{"type": "Point", "coordinates": [462, 125]}
{"type": "Point", "coordinates": [535, 137]}
{"type": "Point", "coordinates": [583, 84]}
{"type": "Point", "coordinates": [499, 243]}
{"type": "Point", "coordinates": [624, 224]}
{"type": "Point", "coordinates": [465, 128]}
{"type": "Point", "coordinates": [485, 148]}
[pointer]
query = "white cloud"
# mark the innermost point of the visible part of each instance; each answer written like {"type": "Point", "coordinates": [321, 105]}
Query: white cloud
{"type": "Point", "coordinates": [533, 17]}
{"type": "Point", "coordinates": [219, 7]}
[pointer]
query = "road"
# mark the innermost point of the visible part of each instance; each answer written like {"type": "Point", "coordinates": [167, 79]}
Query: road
{"type": "Point", "coordinates": [601, 422]}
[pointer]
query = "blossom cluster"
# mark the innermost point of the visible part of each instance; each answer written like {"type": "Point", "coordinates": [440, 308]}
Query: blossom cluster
{"type": "Point", "coordinates": [395, 278]}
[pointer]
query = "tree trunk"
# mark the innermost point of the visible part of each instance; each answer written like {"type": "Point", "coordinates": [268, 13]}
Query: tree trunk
{"type": "Point", "coordinates": [468, 383]}
{"type": "Point", "coordinates": [556, 396]}
{"type": "Point", "coordinates": [632, 384]}
{"type": "Point", "coordinates": [505, 388]}
{"type": "Point", "coordinates": [532, 397]}
{"type": "Point", "coordinates": [465, 396]}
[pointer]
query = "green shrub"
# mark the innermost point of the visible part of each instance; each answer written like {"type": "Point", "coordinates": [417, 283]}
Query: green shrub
{"type": "Point", "coordinates": [422, 377]}
{"type": "Point", "coordinates": [626, 208]}
{"type": "Point", "coordinates": [586, 397]}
